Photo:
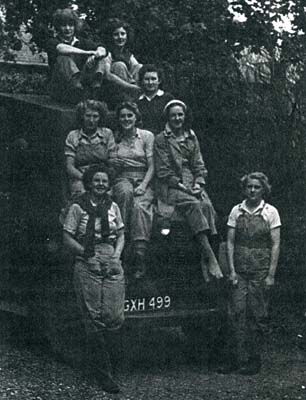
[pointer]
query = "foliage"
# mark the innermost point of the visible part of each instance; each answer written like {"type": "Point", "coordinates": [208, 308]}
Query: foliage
{"type": "Point", "coordinates": [242, 125]}
{"type": "Point", "coordinates": [16, 81]}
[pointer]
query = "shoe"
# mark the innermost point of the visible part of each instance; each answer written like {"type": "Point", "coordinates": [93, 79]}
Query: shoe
{"type": "Point", "coordinates": [107, 383]}
{"type": "Point", "coordinates": [227, 368]}
{"type": "Point", "coordinates": [251, 368]}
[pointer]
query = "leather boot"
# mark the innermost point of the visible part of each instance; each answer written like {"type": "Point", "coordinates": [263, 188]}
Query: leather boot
{"type": "Point", "coordinates": [252, 367]}
{"type": "Point", "coordinates": [101, 364]}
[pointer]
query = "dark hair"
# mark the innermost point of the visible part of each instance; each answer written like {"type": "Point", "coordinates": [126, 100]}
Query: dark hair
{"type": "Point", "coordinates": [93, 105]}
{"type": "Point", "coordinates": [261, 177]}
{"type": "Point", "coordinates": [115, 23]}
{"type": "Point", "coordinates": [130, 106]}
{"type": "Point", "coordinates": [151, 68]}
{"type": "Point", "coordinates": [187, 111]}
{"type": "Point", "coordinates": [63, 16]}
{"type": "Point", "coordinates": [92, 171]}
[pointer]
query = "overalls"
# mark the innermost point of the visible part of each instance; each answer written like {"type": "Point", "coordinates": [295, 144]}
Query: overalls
{"type": "Point", "coordinates": [249, 302]}
{"type": "Point", "coordinates": [87, 154]}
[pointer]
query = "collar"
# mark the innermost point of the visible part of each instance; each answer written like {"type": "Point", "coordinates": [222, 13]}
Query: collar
{"type": "Point", "coordinates": [259, 208]}
{"type": "Point", "coordinates": [187, 134]}
{"type": "Point", "coordinates": [99, 132]}
{"type": "Point", "coordinates": [159, 93]}
{"type": "Point", "coordinates": [137, 134]}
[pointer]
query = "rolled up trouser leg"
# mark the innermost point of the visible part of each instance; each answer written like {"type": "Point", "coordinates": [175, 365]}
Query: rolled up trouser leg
{"type": "Point", "coordinates": [238, 319]}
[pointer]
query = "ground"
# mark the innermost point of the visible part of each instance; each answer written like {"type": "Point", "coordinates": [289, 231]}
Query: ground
{"type": "Point", "coordinates": [158, 369]}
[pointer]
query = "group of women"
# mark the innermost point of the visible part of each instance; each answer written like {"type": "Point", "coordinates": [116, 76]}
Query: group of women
{"type": "Point", "coordinates": [119, 179]}
{"type": "Point", "coordinates": [114, 196]}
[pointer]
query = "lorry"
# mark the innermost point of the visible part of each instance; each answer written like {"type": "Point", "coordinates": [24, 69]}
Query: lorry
{"type": "Point", "coordinates": [36, 271]}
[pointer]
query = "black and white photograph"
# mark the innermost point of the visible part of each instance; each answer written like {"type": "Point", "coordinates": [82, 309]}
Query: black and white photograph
{"type": "Point", "coordinates": [152, 199]}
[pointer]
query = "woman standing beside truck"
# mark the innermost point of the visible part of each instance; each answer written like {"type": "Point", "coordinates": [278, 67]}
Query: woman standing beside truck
{"type": "Point", "coordinates": [93, 232]}
{"type": "Point", "coordinates": [253, 244]}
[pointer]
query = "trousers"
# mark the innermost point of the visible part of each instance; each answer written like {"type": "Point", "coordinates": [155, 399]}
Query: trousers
{"type": "Point", "coordinates": [100, 290]}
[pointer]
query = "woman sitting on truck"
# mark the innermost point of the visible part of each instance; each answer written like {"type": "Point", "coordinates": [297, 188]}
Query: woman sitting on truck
{"type": "Point", "coordinates": [93, 232]}
{"type": "Point", "coordinates": [76, 64]}
{"type": "Point", "coordinates": [121, 66]}
{"type": "Point", "coordinates": [90, 144]}
{"type": "Point", "coordinates": [132, 189]}
{"type": "Point", "coordinates": [180, 187]}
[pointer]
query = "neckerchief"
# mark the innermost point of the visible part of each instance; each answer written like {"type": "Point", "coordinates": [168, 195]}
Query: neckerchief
{"type": "Point", "coordinates": [99, 211]}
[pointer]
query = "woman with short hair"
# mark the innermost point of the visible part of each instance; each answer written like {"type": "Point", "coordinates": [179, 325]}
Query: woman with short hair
{"type": "Point", "coordinates": [121, 66]}
{"type": "Point", "coordinates": [132, 190]}
{"type": "Point", "coordinates": [76, 65]}
{"type": "Point", "coordinates": [253, 244]}
{"type": "Point", "coordinates": [90, 144]}
{"type": "Point", "coordinates": [94, 233]}
{"type": "Point", "coordinates": [180, 187]}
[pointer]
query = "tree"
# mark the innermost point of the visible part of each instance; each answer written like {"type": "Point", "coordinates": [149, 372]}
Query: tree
{"type": "Point", "coordinates": [242, 125]}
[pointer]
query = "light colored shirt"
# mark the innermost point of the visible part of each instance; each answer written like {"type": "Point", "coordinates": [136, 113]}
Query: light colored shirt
{"type": "Point", "coordinates": [135, 153]}
{"type": "Point", "coordinates": [268, 212]}
{"type": "Point", "coordinates": [159, 93]}
{"type": "Point", "coordinates": [77, 219]}
{"type": "Point", "coordinates": [78, 137]}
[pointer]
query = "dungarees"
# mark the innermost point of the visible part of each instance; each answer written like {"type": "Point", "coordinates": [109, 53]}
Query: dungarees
{"type": "Point", "coordinates": [90, 154]}
{"type": "Point", "coordinates": [249, 302]}
{"type": "Point", "coordinates": [87, 154]}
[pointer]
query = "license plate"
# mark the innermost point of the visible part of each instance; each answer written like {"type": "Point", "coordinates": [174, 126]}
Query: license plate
{"type": "Point", "coordinates": [147, 304]}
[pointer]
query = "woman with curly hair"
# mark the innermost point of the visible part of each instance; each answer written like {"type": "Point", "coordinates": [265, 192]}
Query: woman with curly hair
{"type": "Point", "coordinates": [121, 66]}
{"type": "Point", "coordinates": [76, 64]}
{"type": "Point", "coordinates": [94, 233]}
{"type": "Point", "coordinates": [253, 244]}
{"type": "Point", "coordinates": [90, 144]}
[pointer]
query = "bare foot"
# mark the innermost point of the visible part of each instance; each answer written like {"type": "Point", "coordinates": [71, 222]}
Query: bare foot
{"type": "Point", "coordinates": [205, 271]}
{"type": "Point", "coordinates": [214, 269]}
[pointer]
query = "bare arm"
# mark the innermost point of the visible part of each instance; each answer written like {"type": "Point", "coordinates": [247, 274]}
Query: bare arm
{"type": "Point", "coordinates": [73, 245]}
{"type": "Point", "coordinates": [275, 238]}
{"type": "Point", "coordinates": [67, 50]}
{"type": "Point", "coordinates": [72, 171]}
{"type": "Point", "coordinates": [230, 245]}
{"type": "Point", "coordinates": [150, 172]}
{"type": "Point", "coordinates": [119, 244]}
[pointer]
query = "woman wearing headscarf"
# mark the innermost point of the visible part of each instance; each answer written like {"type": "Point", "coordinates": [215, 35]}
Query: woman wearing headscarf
{"type": "Point", "coordinates": [180, 186]}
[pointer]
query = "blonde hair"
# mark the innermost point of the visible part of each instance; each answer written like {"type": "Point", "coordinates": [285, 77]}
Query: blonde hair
{"type": "Point", "coordinates": [261, 177]}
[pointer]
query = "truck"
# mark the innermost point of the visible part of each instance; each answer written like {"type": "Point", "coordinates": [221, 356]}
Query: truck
{"type": "Point", "coordinates": [36, 271]}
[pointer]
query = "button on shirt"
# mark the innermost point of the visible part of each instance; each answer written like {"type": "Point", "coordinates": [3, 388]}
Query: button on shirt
{"type": "Point", "coordinates": [135, 153]}
{"type": "Point", "coordinates": [102, 142]}
{"type": "Point", "coordinates": [268, 212]}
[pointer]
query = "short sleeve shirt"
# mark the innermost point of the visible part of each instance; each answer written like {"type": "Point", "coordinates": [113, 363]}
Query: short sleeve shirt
{"type": "Point", "coordinates": [76, 221]}
{"type": "Point", "coordinates": [79, 43]}
{"type": "Point", "coordinates": [100, 146]}
{"type": "Point", "coordinates": [137, 152]}
{"type": "Point", "coordinates": [268, 212]}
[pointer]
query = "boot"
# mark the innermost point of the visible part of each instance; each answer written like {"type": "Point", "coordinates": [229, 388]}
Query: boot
{"type": "Point", "coordinates": [101, 364]}
{"type": "Point", "coordinates": [252, 367]}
